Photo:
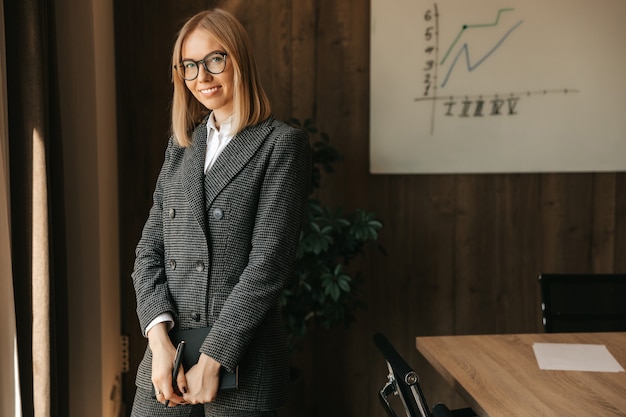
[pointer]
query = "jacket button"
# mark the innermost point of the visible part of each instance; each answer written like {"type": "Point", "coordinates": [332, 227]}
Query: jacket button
{"type": "Point", "coordinates": [199, 266]}
{"type": "Point", "coordinates": [218, 214]}
{"type": "Point", "coordinates": [172, 213]}
{"type": "Point", "coordinates": [196, 316]}
{"type": "Point", "coordinates": [172, 264]}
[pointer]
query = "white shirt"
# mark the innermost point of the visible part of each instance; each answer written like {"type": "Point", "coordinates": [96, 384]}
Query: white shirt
{"type": "Point", "coordinates": [216, 141]}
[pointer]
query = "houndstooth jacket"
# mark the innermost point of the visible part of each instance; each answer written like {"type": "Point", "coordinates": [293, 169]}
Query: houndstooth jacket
{"type": "Point", "coordinates": [218, 251]}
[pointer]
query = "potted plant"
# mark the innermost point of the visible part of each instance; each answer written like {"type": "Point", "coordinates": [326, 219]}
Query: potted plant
{"type": "Point", "coordinates": [322, 287]}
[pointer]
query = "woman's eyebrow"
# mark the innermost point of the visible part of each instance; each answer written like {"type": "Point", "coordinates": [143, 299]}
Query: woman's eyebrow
{"type": "Point", "coordinates": [210, 53]}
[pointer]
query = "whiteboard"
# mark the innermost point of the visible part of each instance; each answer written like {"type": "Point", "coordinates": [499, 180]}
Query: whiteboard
{"type": "Point", "coordinates": [492, 86]}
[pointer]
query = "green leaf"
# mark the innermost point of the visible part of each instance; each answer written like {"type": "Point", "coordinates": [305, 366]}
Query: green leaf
{"type": "Point", "coordinates": [344, 285]}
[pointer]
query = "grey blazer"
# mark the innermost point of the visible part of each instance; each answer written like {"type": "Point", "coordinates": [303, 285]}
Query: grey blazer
{"type": "Point", "coordinates": [220, 253]}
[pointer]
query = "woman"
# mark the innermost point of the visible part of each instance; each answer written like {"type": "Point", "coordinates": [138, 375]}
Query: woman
{"type": "Point", "coordinates": [220, 239]}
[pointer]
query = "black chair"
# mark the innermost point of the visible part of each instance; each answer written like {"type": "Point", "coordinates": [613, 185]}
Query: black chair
{"type": "Point", "coordinates": [404, 382]}
{"type": "Point", "coordinates": [573, 303]}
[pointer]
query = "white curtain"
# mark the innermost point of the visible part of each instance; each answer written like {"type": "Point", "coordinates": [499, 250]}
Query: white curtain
{"type": "Point", "coordinates": [9, 385]}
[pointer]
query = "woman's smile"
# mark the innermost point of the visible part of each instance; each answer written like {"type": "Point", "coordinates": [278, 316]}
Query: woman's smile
{"type": "Point", "coordinates": [210, 90]}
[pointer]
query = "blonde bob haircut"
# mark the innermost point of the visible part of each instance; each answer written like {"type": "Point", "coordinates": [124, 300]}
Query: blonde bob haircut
{"type": "Point", "coordinates": [250, 103]}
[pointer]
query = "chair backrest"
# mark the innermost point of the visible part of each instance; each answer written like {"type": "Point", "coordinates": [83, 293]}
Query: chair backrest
{"type": "Point", "coordinates": [583, 302]}
{"type": "Point", "coordinates": [402, 381]}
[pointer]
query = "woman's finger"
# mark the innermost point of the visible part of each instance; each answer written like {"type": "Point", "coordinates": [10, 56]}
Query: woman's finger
{"type": "Point", "coordinates": [158, 394]}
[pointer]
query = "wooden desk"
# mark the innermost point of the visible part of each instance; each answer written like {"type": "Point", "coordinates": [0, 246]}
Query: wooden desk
{"type": "Point", "coordinates": [498, 375]}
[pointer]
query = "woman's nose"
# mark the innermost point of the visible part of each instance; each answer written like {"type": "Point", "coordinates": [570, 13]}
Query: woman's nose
{"type": "Point", "coordinates": [203, 74]}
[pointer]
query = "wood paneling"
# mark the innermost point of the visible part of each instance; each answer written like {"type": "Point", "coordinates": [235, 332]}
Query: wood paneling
{"type": "Point", "coordinates": [462, 251]}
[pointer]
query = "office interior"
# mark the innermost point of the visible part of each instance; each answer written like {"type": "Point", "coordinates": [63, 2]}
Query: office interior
{"type": "Point", "coordinates": [458, 253]}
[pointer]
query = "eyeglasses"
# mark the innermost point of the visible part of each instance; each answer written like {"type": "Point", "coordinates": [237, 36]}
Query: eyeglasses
{"type": "Point", "coordinates": [214, 63]}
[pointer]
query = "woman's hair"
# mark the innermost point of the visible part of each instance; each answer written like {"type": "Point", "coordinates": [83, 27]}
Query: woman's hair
{"type": "Point", "coordinates": [250, 103]}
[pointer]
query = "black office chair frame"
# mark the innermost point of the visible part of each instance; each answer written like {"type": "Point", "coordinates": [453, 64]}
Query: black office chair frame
{"type": "Point", "coordinates": [573, 303]}
{"type": "Point", "coordinates": [404, 382]}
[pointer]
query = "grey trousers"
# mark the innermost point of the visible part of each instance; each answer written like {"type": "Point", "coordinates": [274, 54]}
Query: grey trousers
{"type": "Point", "coordinates": [146, 406]}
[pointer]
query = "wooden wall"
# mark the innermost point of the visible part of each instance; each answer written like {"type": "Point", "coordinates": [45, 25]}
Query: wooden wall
{"type": "Point", "coordinates": [463, 251]}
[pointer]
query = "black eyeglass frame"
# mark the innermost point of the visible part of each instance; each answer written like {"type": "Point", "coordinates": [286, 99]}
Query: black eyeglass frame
{"type": "Point", "coordinates": [181, 67]}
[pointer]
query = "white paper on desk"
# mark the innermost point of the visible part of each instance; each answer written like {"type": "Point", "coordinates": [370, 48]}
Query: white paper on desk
{"type": "Point", "coordinates": [575, 357]}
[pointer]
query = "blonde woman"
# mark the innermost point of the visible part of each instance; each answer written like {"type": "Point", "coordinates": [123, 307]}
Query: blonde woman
{"type": "Point", "coordinates": [219, 242]}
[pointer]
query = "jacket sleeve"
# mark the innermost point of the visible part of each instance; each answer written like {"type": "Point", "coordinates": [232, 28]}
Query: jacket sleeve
{"type": "Point", "coordinates": [148, 274]}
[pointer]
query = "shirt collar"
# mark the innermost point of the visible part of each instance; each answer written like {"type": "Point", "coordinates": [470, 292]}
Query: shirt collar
{"type": "Point", "coordinates": [226, 124]}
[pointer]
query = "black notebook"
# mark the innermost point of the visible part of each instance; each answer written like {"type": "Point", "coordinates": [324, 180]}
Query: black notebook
{"type": "Point", "coordinates": [193, 339]}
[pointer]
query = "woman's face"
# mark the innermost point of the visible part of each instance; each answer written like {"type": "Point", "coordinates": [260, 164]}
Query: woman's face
{"type": "Point", "coordinates": [214, 91]}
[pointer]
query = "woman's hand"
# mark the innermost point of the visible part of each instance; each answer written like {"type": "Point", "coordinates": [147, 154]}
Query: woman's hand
{"type": "Point", "coordinates": [203, 381]}
{"type": "Point", "coordinates": [163, 353]}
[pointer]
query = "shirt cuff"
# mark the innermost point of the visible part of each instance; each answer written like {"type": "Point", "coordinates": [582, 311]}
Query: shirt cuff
{"type": "Point", "coordinates": [165, 317]}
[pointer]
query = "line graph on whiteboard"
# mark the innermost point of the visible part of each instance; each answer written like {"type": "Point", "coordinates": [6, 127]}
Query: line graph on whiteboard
{"type": "Point", "coordinates": [469, 48]}
{"type": "Point", "coordinates": [493, 86]}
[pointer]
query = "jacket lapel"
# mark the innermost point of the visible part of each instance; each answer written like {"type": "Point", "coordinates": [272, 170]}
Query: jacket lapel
{"type": "Point", "coordinates": [193, 174]}
{"type": "Point", "coordinates": [235, 156]}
